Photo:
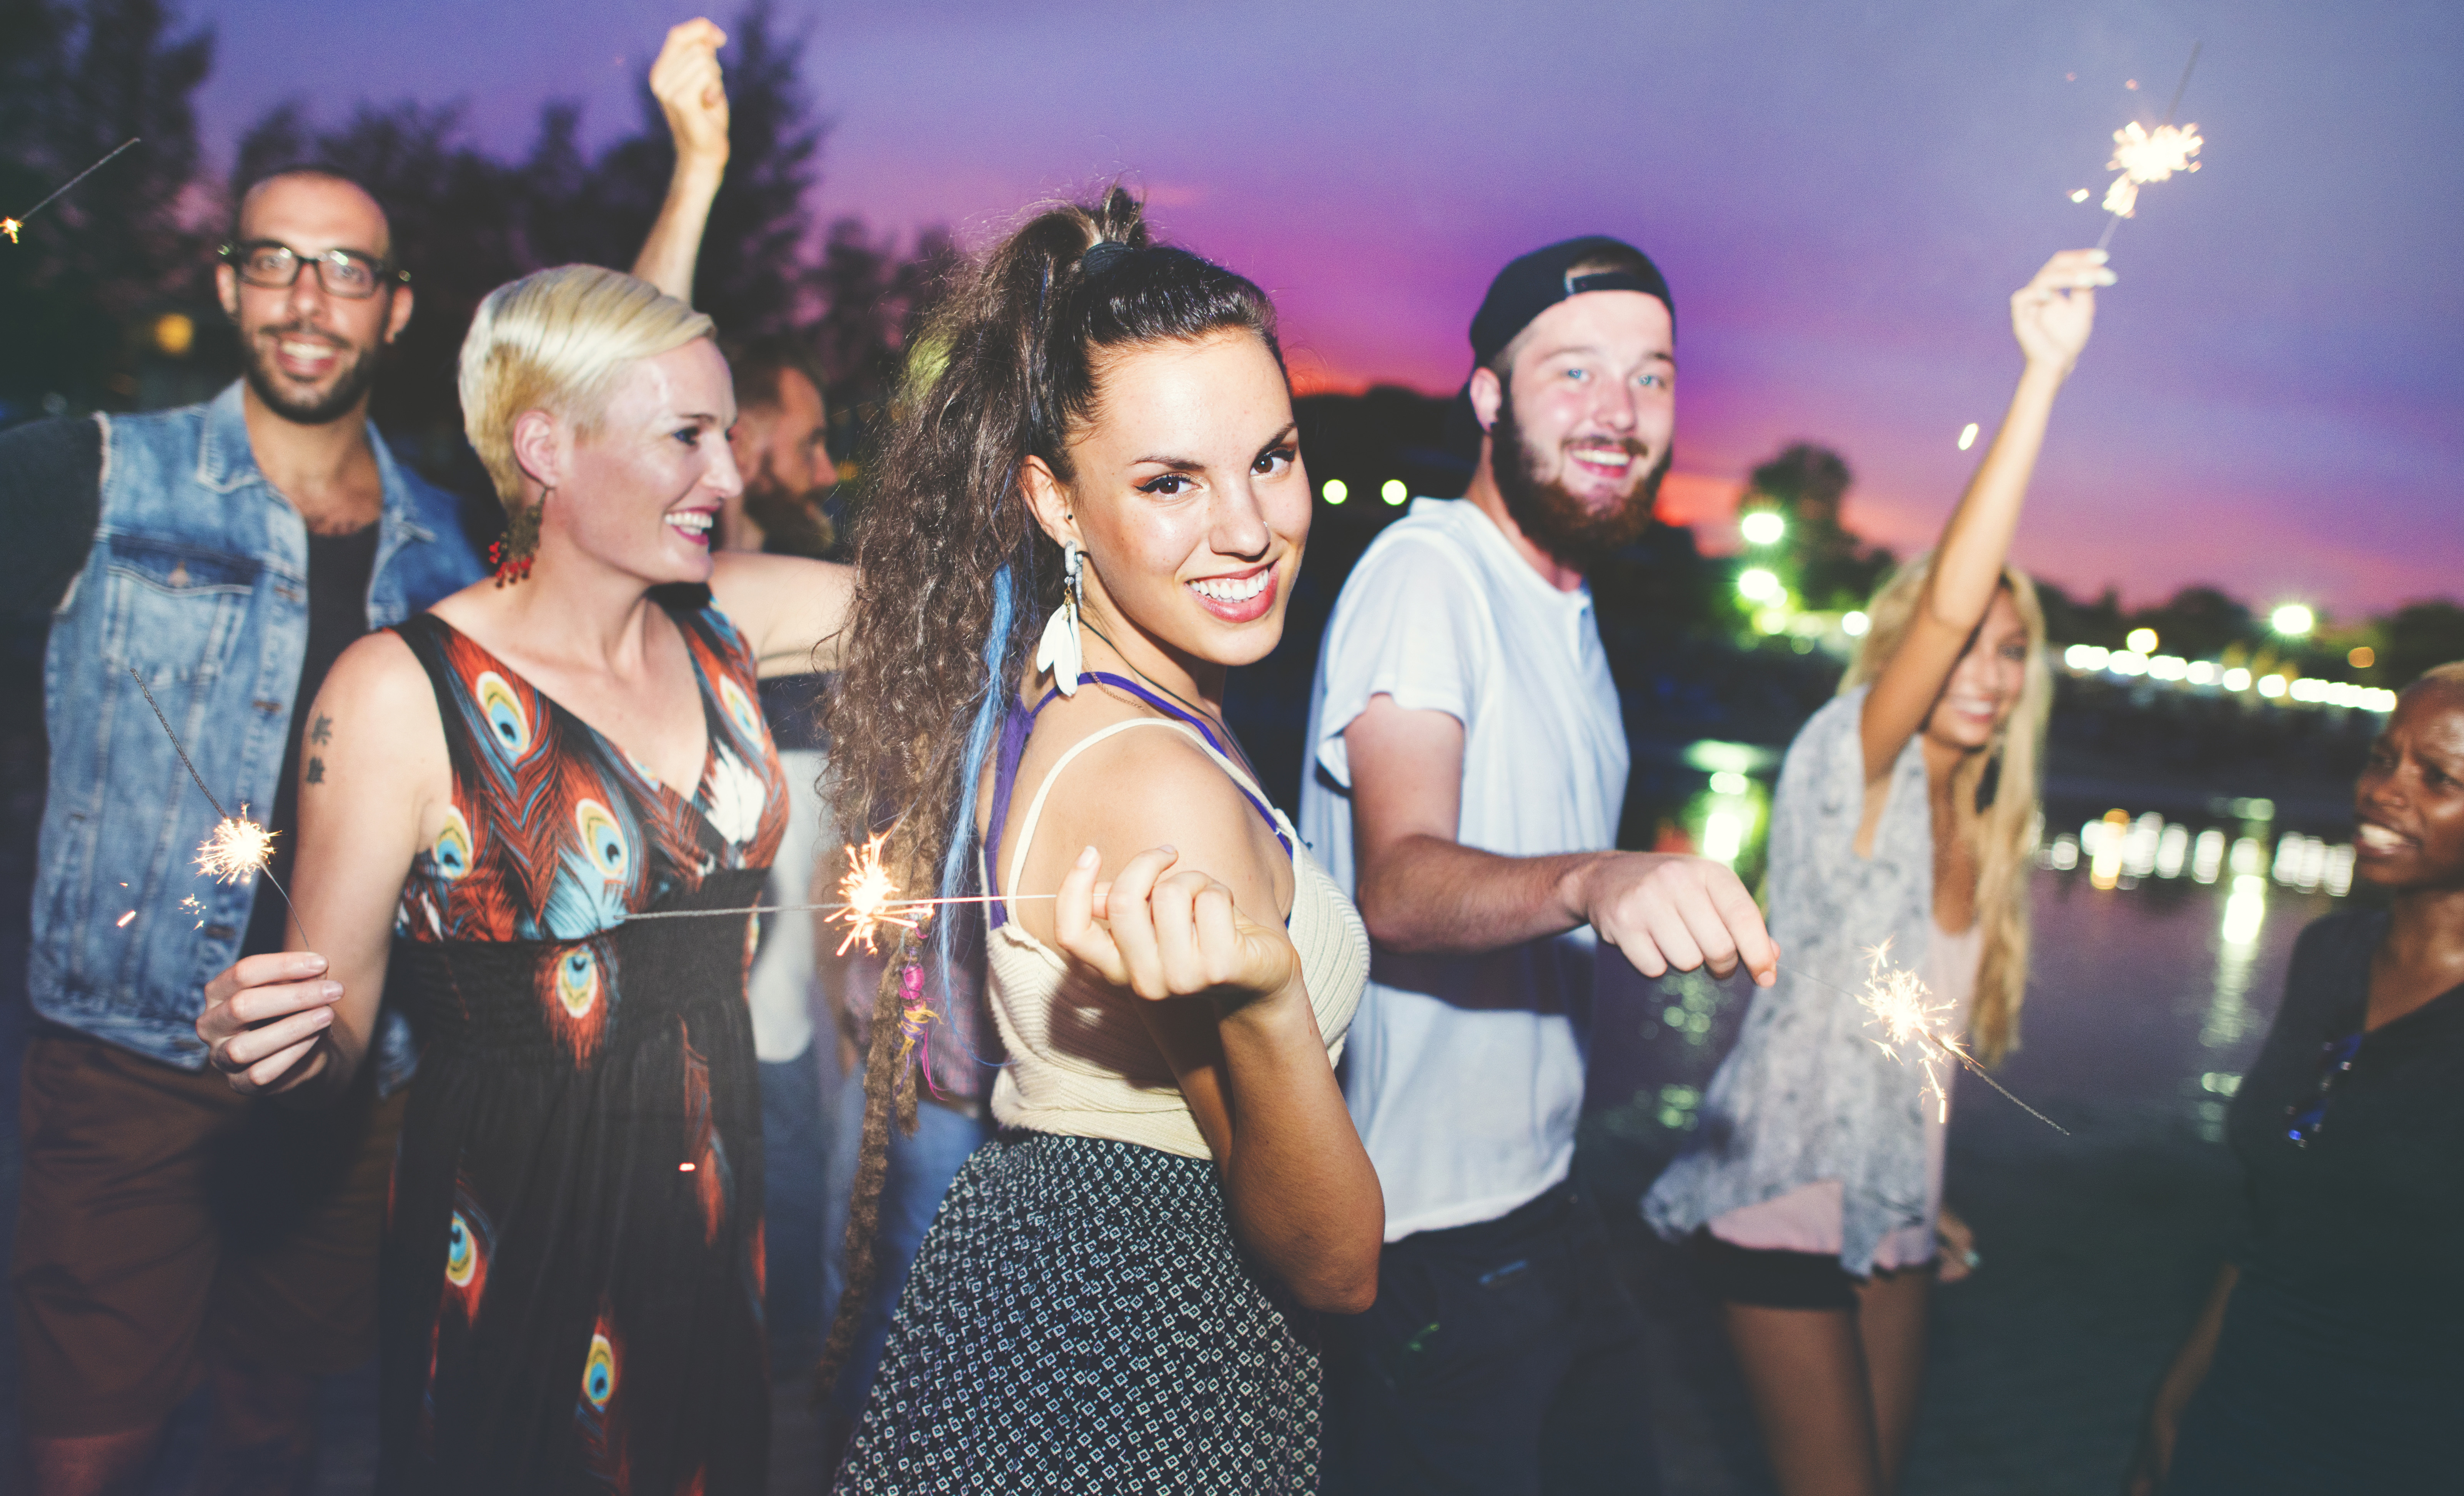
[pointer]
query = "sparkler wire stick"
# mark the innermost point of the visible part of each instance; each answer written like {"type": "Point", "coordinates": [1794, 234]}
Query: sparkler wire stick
{"type": "Point", "coordinates": [1948, 1049]}
{"type": "Point", "coordinates": [2114, 220]}
{"type": "Point", "coordinates": [239, 845]}
{"type": "Point", "coordinates": [11, 226]}
{"type": "Point", "coordinates": [801, 909]}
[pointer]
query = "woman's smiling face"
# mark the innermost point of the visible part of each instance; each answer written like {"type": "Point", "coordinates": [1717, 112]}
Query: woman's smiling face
{"type": "Point", "coordinates": [1189, 498]}
{"type": "Point", "coordinates": [1985, 686]}
{"type": "Point", "coordinates": [2409, 801]}
{"type": "Point", "coordinates": [647, 486]}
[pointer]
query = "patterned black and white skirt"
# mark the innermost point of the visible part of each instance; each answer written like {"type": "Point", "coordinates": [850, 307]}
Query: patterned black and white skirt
{"type": "Point", "coordinates": [1080, 1320]}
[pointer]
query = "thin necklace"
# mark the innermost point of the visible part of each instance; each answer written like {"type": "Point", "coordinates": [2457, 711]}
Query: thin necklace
{"type": "Point", "coordinates": [1239, 752]}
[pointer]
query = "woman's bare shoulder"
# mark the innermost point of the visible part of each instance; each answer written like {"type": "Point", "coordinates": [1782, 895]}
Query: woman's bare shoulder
{"type": "Point", "coordinates": [378, 693]}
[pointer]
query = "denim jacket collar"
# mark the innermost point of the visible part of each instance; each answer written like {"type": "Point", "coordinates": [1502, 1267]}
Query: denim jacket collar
{"type": "Point", "coordinates": [226, 461]}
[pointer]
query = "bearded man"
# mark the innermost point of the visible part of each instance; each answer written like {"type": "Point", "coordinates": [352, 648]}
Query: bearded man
{"type": "Point", "coordinates": [219, 556]}
{"type": "Point", "coordinates": [1468, 768]}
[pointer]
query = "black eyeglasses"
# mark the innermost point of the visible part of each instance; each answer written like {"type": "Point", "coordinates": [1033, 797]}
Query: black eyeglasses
{"type": "Point", "coordinates": [272, 266]}
{"type": "Point", "coordinates": [2334, 1058]}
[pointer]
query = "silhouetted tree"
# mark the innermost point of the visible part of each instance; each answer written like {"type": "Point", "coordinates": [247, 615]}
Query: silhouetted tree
{"type": "Point", "coordinates": [2069, 620]}
{"type": "Point", "coordinates": [76, 79]}
{"type": "Point", "coordinates": [1826, 564]}
{"type": "Point", "coordinates": [2420, 635]}
{"type": "Point", "coordinates": [2199, 622]}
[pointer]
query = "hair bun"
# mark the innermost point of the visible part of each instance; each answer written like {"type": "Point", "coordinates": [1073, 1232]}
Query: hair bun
{"type": "Point", "coordinates": [1102, 256]}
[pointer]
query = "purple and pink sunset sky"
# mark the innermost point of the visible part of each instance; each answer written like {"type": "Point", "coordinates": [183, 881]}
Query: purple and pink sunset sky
{"type": "Point", "coordinates": [1842, 195]}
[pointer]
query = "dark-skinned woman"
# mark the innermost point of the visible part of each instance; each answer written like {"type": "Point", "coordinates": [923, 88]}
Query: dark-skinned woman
{"type": "Point", "coordinates": [2330, 1356]}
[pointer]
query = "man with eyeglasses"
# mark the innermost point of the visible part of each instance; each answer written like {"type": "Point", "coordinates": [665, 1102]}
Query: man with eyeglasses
{"type": "Point", "coordinates": [169, 1231]}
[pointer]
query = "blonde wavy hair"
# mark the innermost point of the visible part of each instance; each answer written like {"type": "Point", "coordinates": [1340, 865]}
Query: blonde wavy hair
{"type": "Point", "coordinates": [560, 340]}
{"type": "Point", "coordinates": [2004, 833]}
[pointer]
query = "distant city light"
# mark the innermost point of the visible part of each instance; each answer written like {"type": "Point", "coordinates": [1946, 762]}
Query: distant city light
{"type": "Point", "coordinates": [1337, 491]}
{"type": "Point", "coordinates": [2363, 657]}
{"type": "Point", "coordinates": [2143, 641]}
{"type": "Point", "coordinates": [2293, 620]}
{"type": "Point", "coordinates": [2237, 679]}
{"type": "Point", "coordinates": [1723, 834]}
{"type": "Point", "coordinates": [2202, 672]}
{"type": "Point", "coordinates": [2245, 909]}
{"type": "Point", "coordinates": [2271, 686]}
{"type": "Point", "coordinates": [1762, 527]}
{"type": "Point", "coordinates": [1393, 491]}
{"type": "Point", "coordinates": [1852, 624]}
{"type": "Point", "coordinates": [1728, 782]}
{"type": "Point", "coordinates": [1757, 585]}
{"type": "Point", "coordinates": [2208, 856]}
{"type": "Point", "coordinates": [1968, 436]}
{"type": "Point", "coordinates": [175, 333]}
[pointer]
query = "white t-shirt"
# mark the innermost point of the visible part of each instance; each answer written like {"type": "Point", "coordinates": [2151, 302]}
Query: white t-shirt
{"type": "Point", "coordinates": [1465, 1072]}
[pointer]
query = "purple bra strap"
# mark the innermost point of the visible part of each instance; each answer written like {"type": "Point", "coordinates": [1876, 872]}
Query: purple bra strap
{"type": "Point", "coordinates": [1015, 729]}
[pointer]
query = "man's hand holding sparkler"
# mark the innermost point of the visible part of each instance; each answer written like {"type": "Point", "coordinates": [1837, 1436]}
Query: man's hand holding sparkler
{"type": "Point", "coordinates": [264, 1018]}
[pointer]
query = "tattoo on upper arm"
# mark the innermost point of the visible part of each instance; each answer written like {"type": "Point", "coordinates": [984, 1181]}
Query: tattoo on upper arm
{"type": "Point", "coordinates": [322, 733]}
{"type": "Point", "coordinates": [316, 774]}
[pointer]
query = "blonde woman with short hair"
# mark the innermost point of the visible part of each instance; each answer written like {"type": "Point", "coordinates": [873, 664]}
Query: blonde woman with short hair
{"type": "Point", "coordinates": [1905, 809]}
{"type": "Point", "coordinates": [571, 1290]}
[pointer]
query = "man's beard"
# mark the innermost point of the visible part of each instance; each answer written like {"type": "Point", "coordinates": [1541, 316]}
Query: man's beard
{"type": "Point", "coordinates": [339, 398]}
{"type": "Point", "coordinates": [1553, 518]}
{"type": "Point", "coordinates": [792, 523]}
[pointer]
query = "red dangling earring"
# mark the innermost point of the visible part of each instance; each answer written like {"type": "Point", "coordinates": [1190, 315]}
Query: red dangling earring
{"type": "Point", "coordinates": [512, 555]}
{"type": "Point", "coordinates": [509, 569]}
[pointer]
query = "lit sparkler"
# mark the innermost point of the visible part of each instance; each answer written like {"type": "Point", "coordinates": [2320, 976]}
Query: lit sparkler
{"type": "Point", "coordinates": [2143, 156]}
{"type": "Point", "coordinates": [871, 899]}
{"type": "Point", "coordinates": [11, 226]}
{"type": "Point", "coordinates": [1898, 1001]}
{"type": "Point", "coordinates": [868, 901]}
{"type": "Point", "coordinates": [237, 847]}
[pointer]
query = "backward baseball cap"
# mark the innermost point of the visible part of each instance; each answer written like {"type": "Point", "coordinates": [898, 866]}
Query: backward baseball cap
{"type": "Point", "coordinates": [1530, 285]}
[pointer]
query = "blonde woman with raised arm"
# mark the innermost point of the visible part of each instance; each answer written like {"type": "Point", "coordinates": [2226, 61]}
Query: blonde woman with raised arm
{"type": "Point", "coordinates": [1905, 810]}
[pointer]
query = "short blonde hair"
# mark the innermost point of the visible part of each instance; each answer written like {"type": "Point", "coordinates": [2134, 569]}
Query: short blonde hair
{"type": "Point", "coordinates": [557, 340]}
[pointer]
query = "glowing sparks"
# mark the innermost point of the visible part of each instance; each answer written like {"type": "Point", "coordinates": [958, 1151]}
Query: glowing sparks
{"type": "Point", "coordinates": [9, 227]}
{"type": "Point", "coordinates": [122, 923]}
{"type": "Point", "coordinates": [239, 849]}
{"type": "Point", "coordinates": [2143, 156]}
{"type": "Point", "coordinates": [2082, 195]}
{"type": "Point", "coordinates": [1968, 436]}
{"type": "Point", "coordinates": [191, 906]}
{"type": "Point", "coordinates": [1899, 1002]}
{"type": "Point", "coordinates": [872, 900]}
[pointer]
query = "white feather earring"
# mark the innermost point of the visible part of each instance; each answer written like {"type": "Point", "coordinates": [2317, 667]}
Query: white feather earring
{"type": "Point", "coordinates": [1059, 652]}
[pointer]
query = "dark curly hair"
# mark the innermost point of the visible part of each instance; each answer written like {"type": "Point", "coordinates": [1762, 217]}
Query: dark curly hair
{"type": "Point", "coordinates": [954, 577]}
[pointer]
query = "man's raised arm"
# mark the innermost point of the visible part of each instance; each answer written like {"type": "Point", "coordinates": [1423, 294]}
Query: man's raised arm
{"type": "Point", "coordinates": [687, 82]}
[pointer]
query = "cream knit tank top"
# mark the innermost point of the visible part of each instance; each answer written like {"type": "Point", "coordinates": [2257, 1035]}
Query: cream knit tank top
{"type": "Point", "coordinates": [1080, 1058]}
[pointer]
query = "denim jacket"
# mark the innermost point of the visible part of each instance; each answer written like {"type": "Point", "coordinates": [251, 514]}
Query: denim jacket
{"type": "Point", "coordinates": [197, 578]}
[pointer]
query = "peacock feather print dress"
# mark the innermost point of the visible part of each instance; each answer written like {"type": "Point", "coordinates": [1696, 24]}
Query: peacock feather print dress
{"type": "Point", "coordinates": [571, 1283]}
